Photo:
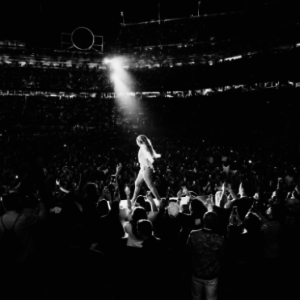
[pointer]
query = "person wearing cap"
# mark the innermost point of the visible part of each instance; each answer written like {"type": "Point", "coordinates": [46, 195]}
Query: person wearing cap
{"type": "Point", "coordinates": [204, 251]}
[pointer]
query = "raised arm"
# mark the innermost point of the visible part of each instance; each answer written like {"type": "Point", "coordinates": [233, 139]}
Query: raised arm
{"type": "Point", "coordinates": [117, 196]}
{"type": "Point", "coordinates": [154, 207]}
{"type": "Point", "coordinates": [232, 192]}
{"type": "Point", "coordinates": [127, 192]}
{"type": "Point", "coordinates": [222, 198]}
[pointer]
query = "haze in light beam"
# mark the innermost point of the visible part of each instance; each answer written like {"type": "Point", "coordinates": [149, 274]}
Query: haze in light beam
{"type": "Point", "coordinates": [122, 81]}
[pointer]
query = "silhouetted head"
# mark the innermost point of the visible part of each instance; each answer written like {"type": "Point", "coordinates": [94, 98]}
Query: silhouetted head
{"type": "Point", "coordinates": [144, 229]}
{"type": "Point", "coordinates": [197, 209]}
{"type": "Point", "coordinates": [210, 220]}
{"type": "Point", "coordinates": [138, 214]}
{"type": "Point", "coordinates": [252, 223]}
{"type": "Point", "coordinates": [141, 201]}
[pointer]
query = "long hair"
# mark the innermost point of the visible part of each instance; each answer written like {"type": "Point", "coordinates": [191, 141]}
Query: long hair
{"type": "Point", "coordinates": [139, 213]}
{"type": "Point", "coordinates": [143, 140]}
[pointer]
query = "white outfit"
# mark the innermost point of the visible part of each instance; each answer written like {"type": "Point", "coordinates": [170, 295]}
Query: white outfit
{"type": "Point", "coordinates": [145, 158]}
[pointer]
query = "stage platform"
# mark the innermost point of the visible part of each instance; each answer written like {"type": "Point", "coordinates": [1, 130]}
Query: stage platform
{"type": "Point", "coordinates": [183, 203]}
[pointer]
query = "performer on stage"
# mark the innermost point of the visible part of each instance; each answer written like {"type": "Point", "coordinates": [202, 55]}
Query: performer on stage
{"type": "Point", "coordinates": [146, 157]}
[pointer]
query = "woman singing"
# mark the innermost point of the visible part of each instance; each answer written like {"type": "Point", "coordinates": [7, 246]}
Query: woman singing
{"type": "Point", "coordinates": [146, 157]}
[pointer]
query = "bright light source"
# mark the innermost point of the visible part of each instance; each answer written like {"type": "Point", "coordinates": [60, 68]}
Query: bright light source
{"type": "Point", "coordinates": [106, 61]}
{"type": "Point", "coordinates": [121, 79]}
{"type": "Point", "coordinates": [114, 77]}
{"type": "Point", "coordinates": [233, 57]}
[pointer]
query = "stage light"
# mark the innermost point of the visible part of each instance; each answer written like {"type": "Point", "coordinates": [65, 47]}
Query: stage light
{"type": "Point", "coordinates": [113, 77]}
{"type": "Point", "coordinates": [106, 61]}
{"type": "Point", "coordinates": [119, 76]}
{"type": "Point", "coordinates": [123, 83]}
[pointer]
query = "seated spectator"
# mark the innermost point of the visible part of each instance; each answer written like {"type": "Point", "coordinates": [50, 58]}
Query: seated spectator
{"type": "Point", "coordinates": [204, 251]}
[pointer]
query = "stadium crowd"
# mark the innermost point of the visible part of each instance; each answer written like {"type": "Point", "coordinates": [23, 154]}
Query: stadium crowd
{"type": "Point", "coordinates": [262, 112]}
{"type": "Point", "coordinates": [46, 78]}
{"type": "Point", "coordinates": [227, 225]}
{"type": "Point", "coordinates": [228, 222]}
{"type": "Point", "coordinates": [181, 75]}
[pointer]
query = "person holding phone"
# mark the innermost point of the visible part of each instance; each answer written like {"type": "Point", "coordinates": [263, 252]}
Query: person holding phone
{"type": "Point", "coordinates": [244, 202]}
{"type": "Point", "coordinates": [146, 157]}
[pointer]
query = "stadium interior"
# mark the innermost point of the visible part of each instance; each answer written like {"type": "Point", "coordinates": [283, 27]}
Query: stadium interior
{"type": "Point", "coordinates": [218, 95]}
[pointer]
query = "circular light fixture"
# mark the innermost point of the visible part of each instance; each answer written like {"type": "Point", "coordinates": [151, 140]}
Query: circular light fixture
{"type": "Point", "coordinates": [82, 38]}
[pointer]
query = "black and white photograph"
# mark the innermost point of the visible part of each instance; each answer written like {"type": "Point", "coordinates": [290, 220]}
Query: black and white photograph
{"type": "Point", "coordinates": [149, 150]}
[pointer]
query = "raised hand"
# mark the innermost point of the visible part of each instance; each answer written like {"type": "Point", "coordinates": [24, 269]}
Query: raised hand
{"type": "Point", "coordinates": [256, 196]}
{"type": "Point", "coordinates": [127, 191]}
{"type": "Point", "coordinates": [224, 188]}
{"type": "Point", "coordinates": [179, 194]}
{"type": "Point", "coordinates": [119, 168]}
